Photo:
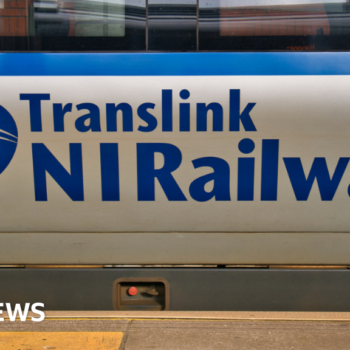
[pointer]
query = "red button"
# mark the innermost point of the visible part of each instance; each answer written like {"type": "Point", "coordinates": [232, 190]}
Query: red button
{"type": "Point", "coordinates": [132, 291]}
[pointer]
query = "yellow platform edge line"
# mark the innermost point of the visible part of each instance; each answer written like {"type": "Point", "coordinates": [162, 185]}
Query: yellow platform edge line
{"type": "Point", "coordinates": [61, 340]}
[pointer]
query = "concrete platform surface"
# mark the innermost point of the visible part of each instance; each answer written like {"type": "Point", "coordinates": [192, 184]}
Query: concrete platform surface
{"type": "Point", "coordinates": [179, 331]}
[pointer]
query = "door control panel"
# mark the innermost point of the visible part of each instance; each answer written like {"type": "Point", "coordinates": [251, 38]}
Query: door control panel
{"type": "Point", "coordinates": [141, 294]}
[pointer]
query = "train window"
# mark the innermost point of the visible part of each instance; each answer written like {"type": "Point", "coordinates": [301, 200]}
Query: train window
{"type": "Point", "coordinates": [97, 18]}
{"type": "Point", "coordinates": [73, 25]}
{"type": "Point", "coordinates": [172, 25]}
{"type": "Point", "coordinates": [297, 25]}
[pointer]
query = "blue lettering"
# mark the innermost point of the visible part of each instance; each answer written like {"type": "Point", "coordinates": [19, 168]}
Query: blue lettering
{"type": "Point", "coordinates": [93, 116]}
{"type": "Point", "coordinates": [269, 170]}
{"type": "Point", "coordinates": [184, 112]}
{"type": "Point", "coordinates": [246, 167]}
{"type": "Point", "coordinates": [35, 109]}
{"type": "Point", "coordinates": [220, 176]}
{"type": "Point", "coordinates": [236, 116]}
{"type": "Point", "coordinates": [109, 171]}
{"type": "Point", "coordinates": [202, 116]}
{"type": "Point", "coordinates": [147, 117]}
{"type": "Point", "coordinates": [319, 171]}
{"type": "Point", "coordinates": [58, 115]}
{"type": "Point", "coordinates": [44, 161]}
{"type": "Point", "coordinates": [112, 111]}
{"type": "Point", "coordinates": [146, 173]}
{"type": "Point", "coordinates": [167, 110]}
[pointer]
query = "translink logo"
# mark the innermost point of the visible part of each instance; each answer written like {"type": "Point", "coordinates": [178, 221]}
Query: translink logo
{"type": "Point", "coordinates": [8, 138]}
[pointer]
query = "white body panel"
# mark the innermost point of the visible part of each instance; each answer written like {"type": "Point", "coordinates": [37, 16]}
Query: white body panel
{"type": "Point", "coordinates": [309, 115]}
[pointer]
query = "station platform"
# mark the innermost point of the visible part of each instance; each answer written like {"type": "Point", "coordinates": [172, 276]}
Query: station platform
{"type": "Point", "coordinates": [173, 330]}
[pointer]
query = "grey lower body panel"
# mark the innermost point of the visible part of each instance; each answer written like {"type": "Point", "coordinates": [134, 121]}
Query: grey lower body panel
{"type": "Point", "coordinates": [299, 248]}
{"type": "Point", "coordinates": [219, 289]}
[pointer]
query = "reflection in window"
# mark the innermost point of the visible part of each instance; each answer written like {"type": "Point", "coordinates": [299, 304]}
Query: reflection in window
{"type": "Point", "coordinates": [96, 18]}
{"type": "Point", "coordinates": [73, 25]}
{"type": "Point", "coordinates": [272, 17]}
{"type": "Point", "coordinates": [80, 18]}
{"type": "Point", "coordinates": [274, 24]}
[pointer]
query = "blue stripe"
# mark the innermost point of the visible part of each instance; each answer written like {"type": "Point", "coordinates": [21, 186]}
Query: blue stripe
{"type": "Point", "coordinates": [172, 64]}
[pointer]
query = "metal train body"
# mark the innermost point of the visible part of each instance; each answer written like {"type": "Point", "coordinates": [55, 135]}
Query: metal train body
{"type": "Point", "coordinates": [175, 158]}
